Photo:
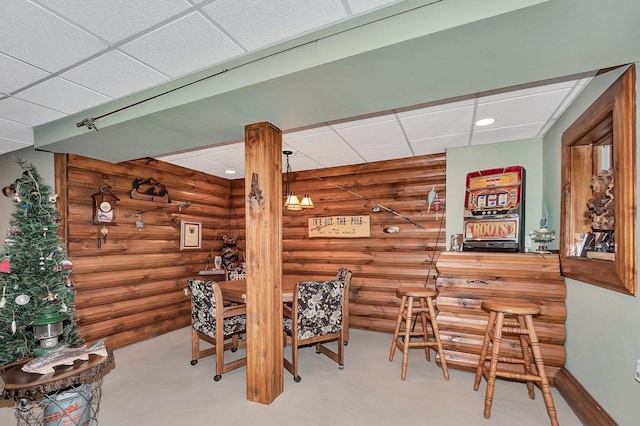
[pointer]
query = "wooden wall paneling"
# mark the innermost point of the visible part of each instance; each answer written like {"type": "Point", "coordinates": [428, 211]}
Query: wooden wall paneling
{"type": "Point", "coordinates": [132, 288]}
{"type": "Point", "coordinates": [381, 263]}
{"type": "Point", "coordinates": [466, 279]}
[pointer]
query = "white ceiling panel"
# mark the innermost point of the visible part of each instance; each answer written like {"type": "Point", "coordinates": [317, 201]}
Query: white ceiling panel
{"type": "Point", "coordinates": [440, 123]}
{"type": "Point", "coordinates": [318, 143]}
{"type": "Point", "coordinates": [504, 134]}
{"type": "Point", "coordinates": [9, 145]}
{"type": "Point", "coordinates": [198, 163]}
{"type": "Point", "coordinates": [184, 46]}
{"type": "Point", "coordinates": [15, 131]}
{"type": "Point", "coordinates": [62, 95]}
{"type": "Point", "coordinates": [115, 74]}
{"type": "Point", "coordinates": [27, 113]}
{"type": "Point", "coordinates": [385, 152]}
{"type": "Point", "coordinates": [115, 20]}
{"type": "Point", "coordinates": [36, 36]}
{"type": "Point", "coordinates": [360, 6]}
{"type": "Point", "coordinates": [256, 24]}
{"type": "Point", "coordinates": [338, 158]}
{"type": "Point", "coordinates": [439, 144]}
{"type": "Point", "coordinates": [15, 74]}
{"type": "Point", "coordinates": [510, 112]}
{"type": "Point", "coordinates": [370, 132]}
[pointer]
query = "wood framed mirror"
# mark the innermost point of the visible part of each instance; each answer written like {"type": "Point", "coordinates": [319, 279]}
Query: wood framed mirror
{"type": "Point", "coordinates": [598, 231]}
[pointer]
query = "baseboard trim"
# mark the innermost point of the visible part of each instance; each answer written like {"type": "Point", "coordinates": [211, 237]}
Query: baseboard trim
{"type": "Point", "coordinates": [580, 400]}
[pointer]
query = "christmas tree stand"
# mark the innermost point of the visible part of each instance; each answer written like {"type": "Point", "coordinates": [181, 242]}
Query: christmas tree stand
{"type": "Point", "coordinates": [69, 396]}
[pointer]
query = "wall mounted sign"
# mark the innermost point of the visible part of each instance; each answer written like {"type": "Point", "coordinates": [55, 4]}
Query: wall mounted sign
{"type": "Point", "coordinates": [339, 227]}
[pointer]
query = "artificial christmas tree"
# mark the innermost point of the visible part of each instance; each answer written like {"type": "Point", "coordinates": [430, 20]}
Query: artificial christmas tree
{"type": "Point", "coordinates": [35, 280]}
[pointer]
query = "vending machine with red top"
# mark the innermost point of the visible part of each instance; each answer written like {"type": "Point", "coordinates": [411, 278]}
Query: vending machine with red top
{"type": "Point", "coordinates": [494, 210]}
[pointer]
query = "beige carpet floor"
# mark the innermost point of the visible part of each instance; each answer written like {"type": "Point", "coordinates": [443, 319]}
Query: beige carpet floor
{"type": "Point", "coordinates": [154, 384]}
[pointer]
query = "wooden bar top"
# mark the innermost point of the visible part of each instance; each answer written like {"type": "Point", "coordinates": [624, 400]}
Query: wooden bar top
{"type": "Point", "coordinates": [236, 291]}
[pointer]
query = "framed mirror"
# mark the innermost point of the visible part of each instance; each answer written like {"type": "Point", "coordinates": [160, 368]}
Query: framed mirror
{"type": "Point", "coordinates": [598, 231]}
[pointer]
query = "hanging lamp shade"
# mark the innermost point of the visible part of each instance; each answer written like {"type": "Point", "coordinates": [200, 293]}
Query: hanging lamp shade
{"type": "Point", "coordinates": [292, 202]}
{"type": "Point", "coordinates": [306, 202]}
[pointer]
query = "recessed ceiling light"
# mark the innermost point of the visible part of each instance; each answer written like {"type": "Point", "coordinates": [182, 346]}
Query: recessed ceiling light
{"type": "Point", "coordinates": [230, 172]}
{"type": "Point", "coordinates": [485, 121]}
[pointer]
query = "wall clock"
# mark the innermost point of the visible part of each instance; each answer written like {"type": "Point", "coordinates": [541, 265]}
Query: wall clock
{"type": "Point", "coordinates": [104, 203]}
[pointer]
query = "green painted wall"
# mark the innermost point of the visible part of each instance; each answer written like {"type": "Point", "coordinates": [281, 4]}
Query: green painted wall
{"type": "Point", "coordinates": [460, 161]}
{"type": "Point", "coordinates": [603, 326]}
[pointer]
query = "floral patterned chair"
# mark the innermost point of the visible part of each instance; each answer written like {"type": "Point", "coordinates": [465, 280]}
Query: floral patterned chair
{"type": "Point", "coordinates": [213, 322]}
{"type": "Point", "coordinates": [315, 317]}
{"type": "Point", "coordinates": [344, 275]}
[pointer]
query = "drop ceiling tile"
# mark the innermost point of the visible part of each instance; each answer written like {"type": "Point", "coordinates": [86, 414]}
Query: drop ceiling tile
{"type": "Point", "coordinates": [360, 6]}
{"type": "Point", "coordinates": [15, 74]}
{"type": "Point", "coordinates": [115, 20]}
{"type": "Point", "coordinates": [338, 158]}
{"type": "Point", "coordinates": [300, 162]}
{"type": "Point", "coordinates": [522, 110]}
{"type": "Point", "coordinates": [62, 95]}
{"type": "Point", "coordinates": [372, 134]}
{"type": "Point", "coordinates": [385, 152]}
{"type": "Point", "coordinates": [318, 143]}
{"type": "Point", "coordinates": [115, 74]}
{"type": "Point", "coordinates": [439, 144]}
{"type": "Point", "coordinates": [305, 132]}
{"type": "Point", "coordinates": [233, 158]}
{"type": "Point", "coordinates": [27, 113]}
{"type": "Point", "coordinates": [536, 90]}
{"type": "Point", "coordinates": [436, 108]}
{"type": "Point", "coordinates": [271, 22]}
{"type": "Point", "coordinates": [15, 131]}
{"type": "Point", "coordinates": [184, 46]}
{"type": "Point", "coordinates": [36, 36]}
{"type": "Point", "coordinates": [197, 163]}
{"type": "Point", "coordinates": [505, 134]}
{"type": "Point", "coordinates": [8, 145]}
{"type": "Point", "coordinates": [440, 123]}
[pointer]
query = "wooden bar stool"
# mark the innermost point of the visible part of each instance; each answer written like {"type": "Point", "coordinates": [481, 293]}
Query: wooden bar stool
{"type": "Point", "coordinates": [416, 301]}
{"type": "Point", "coordinates": [523, 327]}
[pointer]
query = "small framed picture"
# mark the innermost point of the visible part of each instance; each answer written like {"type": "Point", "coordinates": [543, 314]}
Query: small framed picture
{"type": "Point", "coordinates": [190, 235]}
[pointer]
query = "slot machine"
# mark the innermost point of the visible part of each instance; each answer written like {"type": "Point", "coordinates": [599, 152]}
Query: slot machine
{"type": "Point", "coordinates": [494, 210]}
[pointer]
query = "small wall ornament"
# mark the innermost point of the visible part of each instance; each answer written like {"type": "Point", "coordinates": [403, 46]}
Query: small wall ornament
{"type": "Point", "coordinates": [543, 237]}
{"type": "Point", "coordinates": [104, 203]}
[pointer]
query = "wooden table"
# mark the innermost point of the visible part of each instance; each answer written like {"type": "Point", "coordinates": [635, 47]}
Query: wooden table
{"type": "Point", "coordinates": [236, 291]}
{"type": "Point", "coordinates": [35, 395]}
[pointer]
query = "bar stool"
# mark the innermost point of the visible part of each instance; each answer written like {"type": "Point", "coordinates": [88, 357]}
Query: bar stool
{"type": "Point", "coordinates": [416, 301]}
{"type": "Point", "coordinates": [523, 327]}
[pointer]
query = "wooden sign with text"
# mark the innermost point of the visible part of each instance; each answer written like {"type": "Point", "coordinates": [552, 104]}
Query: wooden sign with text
{"type": "Point", "coordinates": [339, 227]}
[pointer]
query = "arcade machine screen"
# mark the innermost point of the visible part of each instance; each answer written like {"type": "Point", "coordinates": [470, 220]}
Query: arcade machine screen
{"type": "Point", "coordinates": [494, 210]}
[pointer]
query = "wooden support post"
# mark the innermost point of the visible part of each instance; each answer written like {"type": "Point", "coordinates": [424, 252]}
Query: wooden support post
{"type": "Point", "coordinates": [263, 209]}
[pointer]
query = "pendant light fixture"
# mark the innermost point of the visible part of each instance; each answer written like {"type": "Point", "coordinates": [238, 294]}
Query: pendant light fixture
{"type": "Point", "coordinates": [293, 202]}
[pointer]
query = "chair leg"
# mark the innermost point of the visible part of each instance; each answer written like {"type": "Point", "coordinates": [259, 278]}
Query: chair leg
{"type": "Point", "coordinates": [495, 352]}
{"type": "Point", "coordinates": [219, 355]}
{"type": "Point", "coordinates": [425, 331]}
{"type": "Point", "coordinates": [544, 382]}
{"type": "Point", "coordinates": [407, 338]}
{"type": "Point", "coordinates": [483, 352]}
{"type": "Point", "coordinates": [394, 342]}
{"type": "Point", "coordinates": [195, 346]}
{"type": "Point", "coordinates": [526, 357]}
{"type": "Point", "coordinates": [436, 334]}
{"type": "Point", "coordinates": [294, 360]}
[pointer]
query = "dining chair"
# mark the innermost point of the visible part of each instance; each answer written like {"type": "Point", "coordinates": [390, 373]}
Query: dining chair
{"type": "Point", "coordinates": [345, 275]}
{"type": "Point", "coordinates": [315, 317]}
{"type": "Point", "coordinates": [215, 323]}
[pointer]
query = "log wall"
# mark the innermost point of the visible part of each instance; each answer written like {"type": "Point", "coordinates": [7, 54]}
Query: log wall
{"type": "Point", "coordinates": [131, 288]}
{"type": "Point", "coordinates": [381, 263]}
